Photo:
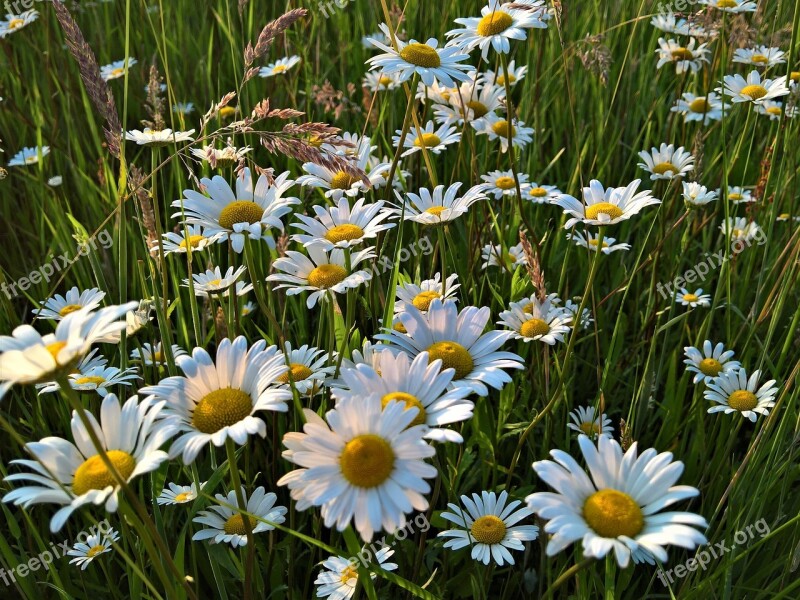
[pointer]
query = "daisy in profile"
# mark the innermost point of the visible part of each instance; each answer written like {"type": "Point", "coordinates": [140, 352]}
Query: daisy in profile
{"type": "Point", "coordinates": [502, 183]}
{"type": "Point", "coordinates": [178, 494]}
{"type": "Point", "coordinates": [497, 128]}
{"type": "Point", "coordinates": [696, 195]}
{"type": "Point", "coordinates": [439, 206]}
{"type": "Point", "coordinates": [489, 526]}
{"type": "Point", "coordinates": [94, 546]}
{"type": "Point", "coordinates": [437, 93]}
{"type": "Point", "coordinates": [509, 259]}
{"type": "Point", "coordinates": [738, 195]}
{"type": "Point", "coordinates": [339, 578]}
{"type": "Point", "coordinates": [279, 67]}
{"type": "Point", "coordinates": [591, 242]}
{"type": "Point", "coordinates": [741, 230]}
{"type": "Point", "coordinates": [420, 384]}
{"type": "Point", "coordinates": [28, 156]}
{"type": "Point", "coordinates": [212, 402]}
{"type": "Point", "coordinates": [116, 69]}
{"type": "Point", "coordinates": [94, 379]}
{"type": "Point", "coordinates": [153, 355]}
{"type": "Point", "coordinates": [732, 6]}
{"type": "Point", "coordinates": [249, 308]}
{"type": "Point", "coordinates": [734, 392]}
{"type": "Point", "coordinates": [572, 306]}
{"type": "Point", "coordinates": [226, 525]}
{"type": "Point", "coordinates": [473, 101]}
{"type": "Point", "coordinates": [495, 28]}
{"type": "Point", "coordinates": [541, 194]}
{"type": "Point", "coordinates": [668, 23]}
{"type": "Point", "coordinates": [365, 464]}
{"type": "Point", "coordinates": [455, 338]}
{"type": "Point", "coordinates": [55, 181]}
{"type": "Point", "coordinates": [369, 354]}
{"type": "Point", "coordinates": [692, 299]}
{"type": "Point", "coordinates": [760, 56]}
{"type": "Point", "coordinates": [710, 362]}
{"type": "Point", "coordinates": [445, 65]}
{"type": "Point", "coordinates": [342, 226]}
{"type": "Point", "coordinates": [775, 110]}
{"type": "Point", "coordinates": [700, 108]}
{"type": "Point", "coordinates": [131, 438]}
{"type": "Point", "coordinates": [251, 212]}
{"type": "Point", "coordinates": [214, 283]}
{"type": "Point", "coordinates": [588, 421]}
{"type": "Point", "coordinates": [220, 157]}
{"type": "Point", "coordinates": [58, 307]}
{"type": "Point", "coordinates": [615, 507]}
{"type": "Point", "coordinates": [308, 369]}
{"type": "Point", "coordinates": [375, 81]}
{"type": "Point", "coordinates": [753, 89]}
{"type": "Point", "coordinates": [536, 320]}
{"type": "Point", "coordinates": [188, 236]}
{"type": "Point", "coordinates": [14, 23]}
{"type": "Point", "coordinates": [420, 296]}
{"type": "Point", "coordinates": [685, 58]}
{"type": "Point", "coordinates": [183, 108]}
{"type": "Point", "coordinates": [321, 273]}
{"type": "Point", "coordinates": [429, 137]}
{"type": "Point", "coordinates": [341, 183]}
{"type": "Point", "coordinates": [605, 206]}
{"type": "Point", "coordinates": [514, 75]}
{"type": "Point", "coordinates": [666, 162]}
{"type": "Point", "coordinates": [158, 137]}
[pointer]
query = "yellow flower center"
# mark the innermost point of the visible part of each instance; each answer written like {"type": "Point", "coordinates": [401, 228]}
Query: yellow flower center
{"type": "Point", "coordinates": [699, 105]}
{"type": "Point", "coordinates": [69, 308]}
{"type": "Point", "coordinates": [221, 408]}
{"type": "Point", "coordinates": [400, 327]}
{"type": "Point", "coordinates": [710, 367]}
{"type": "Point", "coordinates": [240, 211]}
{"type": "Point", "coordinates": [117, 72]}
{"type": "Point", "coordinates": [421, 55]}
{"type": "Point", "coordinates": [97, 380]}
{"type": "Point", "coordinates": [348, 574]}
{"type": "Point", "coordinates": [505, 183]}
{"type": "Point", "coordinates": [385, 80]}
{"type": "Point", "coordinates": [534, 327]}
{"type": "Point", "coordinates": [411, 402]}
{"type": "Point", "coordinates": [501, 79]}
{"type": "Point", "coordinates": [227, 111]}
{"type": "Point", "coordinates": [94, 475]}
{"type": "Point", "coordinates": [795, 76]}
{"type": "Point", "coordinates": [326, 276]}
{"type": "Point", "coordinates": [32, 159]}
{"type": "Point", "coordinates": [299, 372]}
{"type": "Point", "coordinates": [593, 244]}
{"type": "Point", "coordinates": [755, 91]}
{"type": "Point", "coordinates": [427, 140]}
{"type": "Point", "coordinates": [343, 233]}
{"type": "Point", "coordinates": [488, 529]}
{"type": "Point", "coordinates": [95, 550]}
{"type": "Point", "coordinates": [193, 241]}
{"type": "Point", "coordinates": [423, 300]}
{"type": "Point", "coordinates": [682, 54]}
{"type": "Point", "coordinates": [605, 208]}
{"type": "Point", "coordinates": [157, 357]}
{"type": "Point", "coordinates": [54, 349]}
{"type": "Point", "coordinates": [691, 297]}
{"type": "Point", "coordinates": [367, 460]}
{"type": "Point", "coordinates": [612, 514]}
{"type": "Point", "coordinates": [759, 58]}
{"type": "Point", "coordinates": [774, 110]}
{"type": "Point", "coordinates": [435, 210]}
{"type": "Point", "coordinates": [494, 23]}
{"type": "Point", "coordinates": [590, 429]}
{"type": "Point", "coordinates": [528, 308]}
{"type": "Point", "coordinates": [479, 109]}
{"type": "Point", "coordinates": [664, 167]}
{"type": "Point", "coordinates": [742, 400]}
{"type": "Point", "coordinates": [726, 4]}
{"type": "Point", "coordinates": [453, 356]}
{"type": "Point", "coordinates": [735, 196]}
{"type": "Point", "coordinates": [501, 128]}
{"type": "Point", "coordinates": [235, 525]}
{"type": "Point", "coordinates": [14, 23]}
{"type": "Point", "coordinates": [538, 192]}
{"type": "Point", "coordinates": [183, 497]}
{"type": "Point", "coordinates": [737, 233]}
{"type": "Point", "coordinates": [279, 68]}
{"type": "Point", "coordinates": [343, 181]}
{"type": "Point", "coordinates": [783, 216]}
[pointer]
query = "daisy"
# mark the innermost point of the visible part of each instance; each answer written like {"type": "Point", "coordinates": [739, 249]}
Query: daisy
{"type": "Point", "coordinates": [501, 183]}
{"type": "Point", "coordinates": [498, 24]}
{"type": "Point", "coordinates": [375, 81]}
{"type": "Point", "coordinates": [339, 183]}
{"type": "Point", "coordinates": [213, 282]}
{"type": "Point", "coordinates": [514, 75]}
{"type": "Point", "coordinates": [572, 307]}
{"type": "Point", "coordinates": [153, 355]}
{"type": "Point", "coordinates": [307, 369]}
{"type": "Point", "coordinates": [760, 56]}
{"type": "Point", "coordinates": [734, 392]}
{"type": "Point", "coordinates": [686, 58]}
{"type": "Point", "coordinates": [740, 230]}
{"type": "Point", "coordinates": [605, 206]}
{"type": "Point", "coordinates": [700, 108]}
{"type": "Point", "coordinates": [250, 212]}
{"type": "Point", "coordinates": [696, 195]}
{"type": "Point", "coordinates": [732, 6]}
{"type": "Point", "coordinates": [117, 69]}
{"type": "Point", "coordinates": [183, 108]}
{"type": "Point", "coordinates": [455, 338]}
{"type": "Point", "coordinates": [495, 256]}
{"type": "Point", "coordinates": [350, 144]}
{"type": "Point", "coordinates": [189, 236]}
{"type": "Point", "coordinates": [55, 181]}
{"type": "Point", "coordinates": [343, 227]}
{"type": "Point", "coordinates": [131, 440]}
{"type": "Point", "coordinates": [541, 194]}
{"type": "Point", "coordinates": [738, 195]}
{"type": "Point", "coordinates": [339, 578]}
{"type": "Point", "coordinates": [58, 307]}
{"type": "Point", "coordinates": [617, 509]}
{"type": "Point", "coordinates": [94, 379]}
{"type": "Point", "coordinates": [709, 363]}
{"type": "Point", "coordinates": [473, 101]}
{"type": "Point", "coordinates": [179, 494]}
{"type": "Point", "coordinates": [438, 93]}
{"type": "Point", "coordinates": [420, 296]}
{"type": "Point", "coordinates": [489, 526]}
{"type": "Point", "coordinates": [28, 156]}
{"type": "Point", "coordinates": [497, 128]}
{"type": "Point", "coordinates": [162, 137]}
{"type": "Point", "coordinates": [227, 525]}
{"type": "Point", "coordinates": [445, 65]}
{"type": "Point", "coordinates": [369, 354]}
{"type": "Point", "coordinates": [420, 384]}
{"type": "Point", "coordinates": [366, 464]}
{"type": "Point", "coordinates": [14, 22]}
{"type": "Point", "coordinates": [775, 110]}
{"type": "Point", "coordinates": [377, 36]}
{"type": "Point", "coordinates": [666, 162]}
{"type": "Point", "coordinates": [320, 273]}
{"type": "Point", "coordinates": [753, 89]}
{"type": "Point", "coordinates": [249, 308]}
{"type": "Point", "coordinates": [667, 23]}
{"type": "Point", "coordinates": [590, 241]}
{"type": "Point", "coordinates": [439, 206]}
{"type": "Point", "coordinates": [536, 320]}
{"type": "Point", "coordinates": [220, 157]}
{"type": "Point", "coordinates": [94, 546]}
{"type": "Point", "coordinates": [432, 141]}
{"type": "Point", "coordinates": [279, 67]}
{"type": "Point", "coordinates": [692, 299]}
{"type": "Point", "coordinates": [587, 421]}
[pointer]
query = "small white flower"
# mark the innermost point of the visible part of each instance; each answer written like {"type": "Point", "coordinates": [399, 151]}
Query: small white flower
{"type": "Point", "coordinates": [497, 128]}
{"type": "Point", "coordinates": [502, 183]}
{"type": "Point", "coordinates": [117, 69]}
{"type": "Point", "coordinates": [225, 525]}
{"type": "Point", "coordinates": [532, 319]}
{"type": "Point", "coordinates": [154, 355]}
{"type": "Point", "coordinates": [494, 256]}
{"type": "Point", "coordinates": [732, 6]}
{"type": "Point", "coordinates": [692, 299]}
{"type": "Point", "coordinates": [58, 307]}
{"type": "Point", "coordinates": [28, 156]}
{"type": "Point", "coordinates": [375, 81]}
{"type": "Point", "coordinates": [308, 368]}
{"type": "Point", "coordinates": [696, 195]}
{"type": "Point", "coordinates": [741, 230]}
{"type": "Point", "coordinates": [709, 363]}
{"type": "Point", "coordinates": [55, 181]}
{"type": "Point", "coordinates": [439, 206]}
{"type": "Point", "coordinates": [666, 162]}
{"type": "Point", "coordinates": [753, 89]}
{"type": "Point", "coordinates": [339, 578]}
{"type": "Point", "coordinates": [760, 56]}
{"type": "Point", "coordinates": [279, 67]}
{"type": "Point", "coordinates": [586, 420]}
{"type": "Point", "coordinates": [341, 226]}
{"type": "Point", "coordinates": [541, 194]}
{"type": "Point", "coordinates": [152, 137]}
{"type": "Point", "coordinates": [14, 22]}
{"type": "Point", "coordinates": [178, 494]}
{"type": "Point", "coordinates": [213, 282]}
{"type": "Point", "coordinates": [420, 296]}
{"type": "Point", "coordinates": [590, 241]}
{"type": "Point", "coordinates": [686, 58]}
{"type": "Point", "coordinates": [605, 206]}
{"type": "Point", "coordinates": [94, 546]}
{"type": "Point", "coordinates": [734, 392]}
{"type": "Point", "coordinates": [432, 139]}
{"type": "Point", "coordinates": [700, 108]}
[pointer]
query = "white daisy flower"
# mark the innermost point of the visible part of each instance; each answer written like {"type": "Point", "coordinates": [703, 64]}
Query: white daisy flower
{"type": "Point", "coordinates": [339, 183]}
{"type": "Point", "coordinates": [339, 578]}
{"type": "Point", "coordinates": [753, 89]}
{"type": "Point", "coordinates": [445, 65]}
{"type": "Point", "coordinates": [366, 464]}
{"type": "Point", "coordinates": [590, 241]}
{"type": "Point", "coordinates": [420, 296]}
{"type": "Point", "coordinates": [183, 108]}
{"type": "Point", "coordinates": [375, 81]}
{"type": "Point", "coordinates": [342, 227]}
{"type": "Point", "coordinates": [221, 157]}
{"type": "Point", "coordinates": [55, 181]}
{"type": "Point", "coordinates": [709, 363]}
{"type": "Point", "coordinates": [369, 354]}
{"type": "Point", "coordinates": [455, 338]}
{"type": "Point", "coordinates": [432, 139]}
{"type": "Point", "coordinates": [131, 439]}
{"type": "Point", "coordinates": [489, 526]}
{"type": "Point", "coordinates": [605, 206]}
{"type": "Point", "coordinates": [117, 69]}
{"type": "Point", "coordinates": [501, 183]}
{"type": "Point", "coordinates": [94, 379]}
{"type": "Point", "coordinates": [514, 75]}
{"type": "Point", "coordinates": [668, 23]}
{"type": "Point", "coordinates": [732, 6]}
{"type": "Point", "coordinates": [617, 509]}
{"type": "Point", "coordinates": [494, 256]}
{"type": "Point", "coordinates": [249, 308]}
{"type": "Point", "coordinates": [738, 195]}
{"type": "Point", "coordinates": [162, 137]}
{"type": "Point", "coordinates": [686, 58]}
{"type": "Point", "coordinates": [497, 128]}
{"type": "Point", "coordinates": [473, 100]}
{"type": "Point", "coordinates": [572, 307]}
{"type": "Point", "coordinates": [439, 206]}
{"type": "Point", "coordinates": [419, 383]}
{"type": "Point", "coordinates": [740, 230]}
{"type": "Point", "coordinates": [213, 282]}
{"type": "Point", "coordinates": [212, 402]}
{"type": "Point", "coordinates": [14, 22]}
{"type": "Point", "coordinates": [279, 67]}
{"type": "Point", "coordinates": [28, 156]}
{"type": "Point", "coordinates": [536, 320]}
{"type": "Point", "coordinates": [154, 355]}
{"type": "Point", "coordinates": [587, 421]}
{"type": "Point", "coordinates": [692, 299]}
{"type": "Point", "coordinates": [225, 525]}
{"type": "Point", "coordinates": [542, 194]}
{"type": "Point", "coordinates": [94, 546]}
{"type": "Point", "coordinates": [187, 236]}
{"type": "Point", "coordinates": [351, 145]}
{"type": "Point", "coordinates": [696, 195]}
{"type": "Point", "coordinates": [438, 93]}
{"type": "Point", "coordinates": [734, 392]}
{"type": "Point", "coordinates": [179, 494]}
{"type": "Point", "coordinates": [775, 110]}
{"type": "Point", "coordinates": [58, 307]}
{"type": "Point", "coordinates": [700, 108]}
{"type": "Point", "coordinates": [666, 162]}
{"type": "Point", "coordinates": [320, 273]}
{"type": "Point", "coordinates": [760, 56]}
{"type": "Point", "coordinates": [250, 212]}
{"type": "Point", "coordinates": [308, 369]}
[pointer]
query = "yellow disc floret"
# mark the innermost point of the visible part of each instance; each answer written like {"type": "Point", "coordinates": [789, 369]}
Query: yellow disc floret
{"type": "Point", "coordinates": [367, 460]}
{"type": "Point", "coordinates": [488, 529]}
{"type": "Point", "coordinates": [612, 514]}
{"type": "Point", "coordinates": [221, 408]}
{"type": "Point", "coordinates": [453, 356]}
{"type": "Point", "coordinates": [94, 475]}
